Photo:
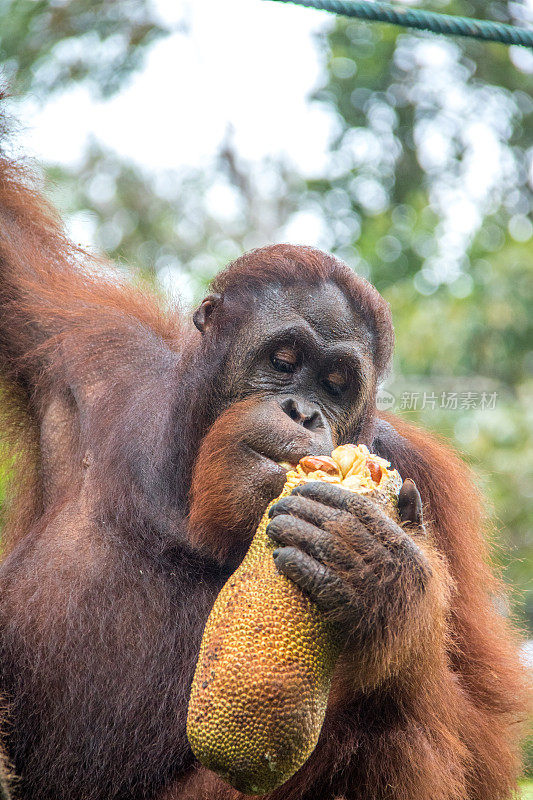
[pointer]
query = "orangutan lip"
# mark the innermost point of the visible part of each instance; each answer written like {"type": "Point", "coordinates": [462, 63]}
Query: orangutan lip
{"type": "Point", "coordinates": [284, 466]}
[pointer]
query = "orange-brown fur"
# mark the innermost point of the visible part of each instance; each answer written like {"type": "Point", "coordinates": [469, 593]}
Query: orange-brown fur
{"type": "Point", "coordinates": [105, 592]}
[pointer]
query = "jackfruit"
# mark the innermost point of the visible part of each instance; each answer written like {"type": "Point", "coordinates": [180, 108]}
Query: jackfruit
{"type": "Point", "coordinates": [263, 676]}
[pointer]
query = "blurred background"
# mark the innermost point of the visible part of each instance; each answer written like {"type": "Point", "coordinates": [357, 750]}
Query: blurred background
{"type": "Point", "coordinates": [173, 135]}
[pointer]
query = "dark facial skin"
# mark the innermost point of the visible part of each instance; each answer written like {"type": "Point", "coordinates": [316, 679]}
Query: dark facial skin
{"type": "Point", "coordinates": [303, 366]}
{"type": "Point", "coordinates": [306, 345]}
{"type": "Point", "coordinates": [298, 371]}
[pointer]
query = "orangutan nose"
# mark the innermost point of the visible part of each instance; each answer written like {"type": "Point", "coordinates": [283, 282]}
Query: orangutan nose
{"type": "Point", "coordinates": [304, 413]}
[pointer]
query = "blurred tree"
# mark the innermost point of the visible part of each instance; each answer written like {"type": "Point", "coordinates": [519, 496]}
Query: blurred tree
{"type": "Point", "coordinates": [176, 228]}
{"type": "Point", "coordinates": [47, 46]}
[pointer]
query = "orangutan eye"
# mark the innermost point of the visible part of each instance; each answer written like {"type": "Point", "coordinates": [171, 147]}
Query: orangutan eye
{"type": "Point", "coordinates": [285, 359]}
{"type": "Point", "coordinates": [335, 382]}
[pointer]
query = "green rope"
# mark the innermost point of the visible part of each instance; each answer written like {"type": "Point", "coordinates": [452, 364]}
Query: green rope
{"type": "Point", "coordinates": [424, 20]}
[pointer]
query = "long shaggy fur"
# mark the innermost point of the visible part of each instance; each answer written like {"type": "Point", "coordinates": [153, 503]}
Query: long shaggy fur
{"type": "Point", "coordinates": [108, 396]}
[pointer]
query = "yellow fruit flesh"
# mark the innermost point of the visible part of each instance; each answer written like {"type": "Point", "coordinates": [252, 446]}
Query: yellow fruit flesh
{"type": "Point", "coordinates": [264, 670]}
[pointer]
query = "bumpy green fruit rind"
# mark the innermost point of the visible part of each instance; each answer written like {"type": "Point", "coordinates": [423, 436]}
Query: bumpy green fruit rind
{"type": "Point", "coordinates": [263, 677]}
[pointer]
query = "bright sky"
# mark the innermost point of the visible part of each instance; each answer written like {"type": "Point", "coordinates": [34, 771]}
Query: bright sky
{"type": "Point", "coordinates": [250, 64]}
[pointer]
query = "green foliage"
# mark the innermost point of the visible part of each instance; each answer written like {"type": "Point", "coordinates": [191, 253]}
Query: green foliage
{"type": "Point", "coordinates": [47, 46]}
{"type": "Point", "coordinates": [188, 223]}
{"type": "Point", "coordinates": [527, 790]}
